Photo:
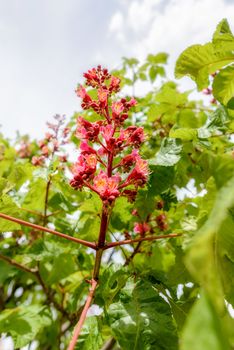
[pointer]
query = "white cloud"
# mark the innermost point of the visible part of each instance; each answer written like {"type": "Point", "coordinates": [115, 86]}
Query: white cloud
{"type": "Point", "coordinates": [45, 47]}
{"type": "Point", "coordinates": [171, 26]}
{"type": "Point", "coordinates": [117, 22]}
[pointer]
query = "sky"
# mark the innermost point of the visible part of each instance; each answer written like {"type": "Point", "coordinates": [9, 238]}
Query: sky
{"type": "Point", "coordinates": [46, 45]}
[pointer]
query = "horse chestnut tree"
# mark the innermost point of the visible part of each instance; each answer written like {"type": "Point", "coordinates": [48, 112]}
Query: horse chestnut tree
{"type": "Point", "coordinates": [116, 228]}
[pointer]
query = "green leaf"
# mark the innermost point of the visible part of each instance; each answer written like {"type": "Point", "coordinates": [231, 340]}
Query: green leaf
{"type": "Point", "coordinates": [160, 57]}
{"type": "Point", "coordinates": [223, 85]}
{"type": "Point", "coordinates": [223, 37]}
{"type": "Point", "coordinates": [20, 174]}
{"type": "Point", "coordinates": [185, 134]}
{"type": "Point", "coordinates": [88, 226]}
{"type": "Point", "coordinates": [5, 186]}
{"type": "Point", "coordinates": [35, 197]}
{"type": "Point", "coordinates": [7, 206]}
{"type": "Point", "coordinates": [112, 280]}
{"type": "Point", "coordinates": [142, 320]}
{"type": "Point", "coordinates": [161, 179]}
{"type": "Point", "coordinates": [217, 121]}
{"type": "Point", "coordinates": [61, 267]}
{"type": "Point", "coordinates": [225, 256]}
{"type": "Point", "coordinates": [23, 323]}
{"type": "Point", "coordinates": [168, 101]}
{"type": "Point", "coordinates": [169, 153]}
{"type": "Point", "coordinates": [203, 328]}
{"type": "Point", "coordinates": [202, 259]}
{"type": "Point", "coordinates": [121, 214]}
{"type": "Point", "coordinates": [90, 337]}
{"type": "Point", "coordinates": [198, 61]}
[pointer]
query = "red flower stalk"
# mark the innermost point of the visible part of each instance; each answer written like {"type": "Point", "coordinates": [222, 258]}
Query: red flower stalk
{"type": "Point", "coordinates": [112, 140]}
{"type": "Point", "coordinates": [98, 168]}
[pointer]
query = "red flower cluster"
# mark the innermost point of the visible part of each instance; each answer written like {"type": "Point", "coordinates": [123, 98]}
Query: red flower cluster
{"type": "Point", "coordinates": [52, 142]}
{"type": "Point", "coordinates": [141, 228]}
{"type": "Point", "coordinates": [96, 167]}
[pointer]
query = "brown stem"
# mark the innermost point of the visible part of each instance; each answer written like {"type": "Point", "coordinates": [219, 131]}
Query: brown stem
{"type": "Point", "coordinates": [83, 315]}
{"type": "Point", "coordinates": [136, 250]}
{"type": "Point", "coordinates": [149, 238]}
{"type": "Point", "coordinates": [46, 201]}
{"type": "Point", "coordinates": [19, 266]}
{"type": "Point", "coordinates": [109, 344]}
{"type": "Point", "coordinates": [32, 212]}
{"type": "Point", "coordinates": [53, 232]}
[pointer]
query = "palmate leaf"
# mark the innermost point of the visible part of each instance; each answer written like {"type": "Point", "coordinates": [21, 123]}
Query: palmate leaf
{"type": "Point", "coordinates": [142, 320]}
{"type": "Point", "coordinates": [223, 86]}
{"type": "Point", "coordinates": [203, 328]}
{"type": "Point", "coordinates": [8, 206]}
{"type": "Point", "coordinates": [169, 153]}
{"type": "Point", "coordinates": [161, 179]}
{"type": "Point", "coordinates": [198, 61]}
{"type": "Point", "coordinates": [23, 323]}
{"type": "Point", "coordinates": [223, 37]}
{"type": "Point", "coordinates": [210, 258]}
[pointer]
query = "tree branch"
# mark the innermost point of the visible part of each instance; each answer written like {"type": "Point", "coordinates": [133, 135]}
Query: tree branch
{"type": "Point", "coordinates": [53, 232]}
{"type": "Point", "coordinates": [83, 315]}
{"type": "Point", "coordinates": [19, 266]}
{"type": "Point", "coordinates": [142, 239]}
{"type": "Point", "coordinates": [136, 250]}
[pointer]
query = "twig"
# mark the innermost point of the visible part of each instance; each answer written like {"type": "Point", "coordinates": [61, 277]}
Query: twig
{"type": "Point", "coordinates": [109, 344]}
{"type": "Point", "coordinates": [83, 315]}
{"type": "Point", "coordinates": [46, 201]}
{"type": "Point", "coordinates": [136, 250]}
{"type": "Point", "coordinates": [41, 228]}
{"type": "Point", "coordinates": [16, 264]}
{"type": "Point", "coordinates": [142, 239]}
{"type": "Point", "coordinates": [32, 212]}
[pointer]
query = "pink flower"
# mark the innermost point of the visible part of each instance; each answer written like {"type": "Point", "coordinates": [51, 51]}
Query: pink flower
{"type": "Point", "coordinates": [107, 133]}
{"type": "Point", "coordinates": [102, 97]}
{"type": "Point", "coordinates": [83, 169]}
{"type": "Point", "coordinates": [107, 187]}
{"type": "Point", "coordinates": [48, 136]}
{"type": "Point", "coordinates": [86, 149]}
{"type": "Point", "coordinates": [141, 228]}
{"type": "Point", "coordinates": [96, 76]}
{"type": "Point", "coordinates": [139, 175]}
{"type": "Point", "coordinates": [114, 84]}
{"type": "Point", "coordinates": [135, 212]}
{"type": "Point", "coordinates": [87, 130]}
{"type": "Point", "coordinates": [117, 112]}
{"type": "Point", "coordinates": [132, 102]}
{"type": "Point", "coordinates": [86, 99]}
{"type": "Point", "coordinates": [38, 160]}
{"type": "Point", "coordinates": [128, 161]}
{"type": "Point", "coordinates": [135, 136]}
{"type": "Point", "coordinates": [85, 165]}
{"type": "Point", "coordinates": [117, 108]}
{"type": "Point", "coordinates": [45, 151]}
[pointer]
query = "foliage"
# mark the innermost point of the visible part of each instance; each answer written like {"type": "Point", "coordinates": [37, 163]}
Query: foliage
{"type": "Point", "coordinates": [169, 293]}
